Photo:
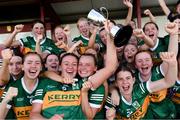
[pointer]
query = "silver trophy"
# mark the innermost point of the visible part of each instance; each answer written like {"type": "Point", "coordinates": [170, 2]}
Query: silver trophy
{"type": "Point", "coordinates": [96, 16]}
{"type": "Point", "coordinates": [121, 34]}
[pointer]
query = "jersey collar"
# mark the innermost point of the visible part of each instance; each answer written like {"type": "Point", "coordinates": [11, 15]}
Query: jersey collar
{"type": "Point", "coordinates": [156, 45]}
{"type": "Point", "coordinates": [140, 78]}
{"type": "Point", "coordinates": [43, 40]}
{"type": "Point", "coordinates": [84, 37]}
{"type": "Point", "coordinates": [125, 101]}
{"type": "Point", "coordinates": [25, 88]}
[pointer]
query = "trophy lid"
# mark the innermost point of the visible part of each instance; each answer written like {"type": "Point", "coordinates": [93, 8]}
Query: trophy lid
{"type": "Point", "coordinates": [122, 36]}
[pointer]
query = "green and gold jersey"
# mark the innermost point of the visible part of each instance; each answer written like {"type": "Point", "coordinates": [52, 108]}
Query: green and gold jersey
{"type": "Point", "coordinates": [175, 97]}
{"type": "Point", "coordinates": [47, 45]}
{"type": "Point", "coordinates": [86, 41]}
{"type": "Point", "coordinates": [137, 108]}
{"type": "Point", "coordinates": [96, 100]}
{"type": "Point", "coordinates": [156, 74]}
{"type": "Point", "coordinates": [96, 97]}
{"type": "Point", "coordinates": [10, 114]}
{"type": "Point", "coordinates": [22, 103]}
{"type": "Point", "coordinates": [176, 93]}
{"type": "Point", "coordinates": [58, 98]}
{"type": "Point", "coordinates": [160, 46]}
{"type": "Point", "coordinates": [160, 106]}
{"type": "Point", "coordinates": [2, 88]}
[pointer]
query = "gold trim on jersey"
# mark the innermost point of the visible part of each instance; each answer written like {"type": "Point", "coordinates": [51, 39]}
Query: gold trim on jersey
{"type": "Point", "coordinates": [176, 98]}
{"type": "Point", "coordinates": [22, 113]}
{"type": "Point", "coordinates": [1, 92]}
{"type": "Point", "coordinates": [61, 98]}
{"type": "Point", "coordinates": [158, 96]}
{"type": "Point", "coordinates": [139, 113]}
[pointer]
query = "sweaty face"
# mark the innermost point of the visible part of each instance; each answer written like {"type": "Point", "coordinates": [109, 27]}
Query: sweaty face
{"type": "Point", "coordinates": [125, 82]}
{"type": "Point", "coordinates": [69, 66]}
{"type": "Point", "coordinates": [15, 65]}
{"type": "Point", "coordinates": [129, 53]}
{"type": "Point", "coordinates": [32, 67]}
{"type": "Point", "coordinates": [59, 35]}
{"type": "Point", "coordinates": [86, 66]}
{"type": "Point", "coordinates": [52, 63]}
{"type": "Point", "coordinates": [38, 29]}
{"type": "Point", "coordinates": [143, 62]}
{"type": "Point", "coordinates": [151, 31]}
{"type": "Point", "coordinates": [84, 28]}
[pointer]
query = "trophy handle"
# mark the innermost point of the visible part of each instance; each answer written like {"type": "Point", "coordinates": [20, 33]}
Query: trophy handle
{"type": "Point", "coordinates": [105, 9]}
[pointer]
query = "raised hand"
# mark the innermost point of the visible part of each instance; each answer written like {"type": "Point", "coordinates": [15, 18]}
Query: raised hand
{"type": "Point", "coordinates": [147, 12]}
{"type": "Point", "coordinates": [7, 54]}
{"type": "Point", "coordinates": [139, 33]}
{"type": "Point", "coordinates": [168, 57]}
{"type": "Point", "coordinates": [127, 3]}
{"type": "Point", "coordinates": [61, 44]}
{"type": "Point", "coordinates": [12, 92]}
{"type": "Point", "coordinates": [107, 26]}
{"type": "Point", "coordinates": [68, 79]}
{"type": "Point", "coordinates": [18, 28]}
{"type": "Point", "coordinates": [171, 28]}
{"type": "Point", "coordinates": [86, 86]}
{"type": "Point", "coordinates": [39, 38]}
{"type": "Point", "coordinates": [78, 43]}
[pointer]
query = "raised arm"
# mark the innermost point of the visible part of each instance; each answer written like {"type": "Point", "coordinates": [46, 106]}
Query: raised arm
{"type": "Point", "coordinates": [67, 32]}
{"type": "Point", "coordinates": [172, 29]}
{"type": "Point", "coordinates": [170, 76]}
{"type": "Point", "coordinates": [92, 38]}
{"type": "Point", "coordinates": [110, 65]}
{"type": "Point", "coordinates": [130, 10]}
{"type": "Point", "coordinates": [4, 71]}
{"type": "Point", "coordinates": [12, 92]}
{"type": "Point", "coordinates": [9, 41]}
{"type": "Point", "coordinates": [147, 40]}
{"type": "Point", "coordinates": [38, 47]}
{"type": "Point", "coordinates": [164, 7]}
{"type": "Point", "coordinates": [150, 15]}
